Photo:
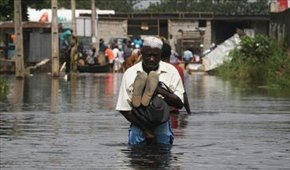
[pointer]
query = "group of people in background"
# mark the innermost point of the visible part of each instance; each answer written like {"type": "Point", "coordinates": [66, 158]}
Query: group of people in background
{"type": "Point", "coordinates": [119, 56]}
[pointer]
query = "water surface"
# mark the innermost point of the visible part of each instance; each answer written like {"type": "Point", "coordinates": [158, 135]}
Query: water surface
{"type": "Point", "coordinates": [50, 123]}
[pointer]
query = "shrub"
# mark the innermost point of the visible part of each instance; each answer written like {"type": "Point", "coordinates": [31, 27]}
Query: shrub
{"type": "Point", "coordinates": [259, 61]}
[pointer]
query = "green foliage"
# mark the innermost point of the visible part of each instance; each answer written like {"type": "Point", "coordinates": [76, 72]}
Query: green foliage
{"type": "Point", "coordinates": [254, 50]}
{"type": "Point", "coordinates": [7, 6]}
{"type": "Point", "coordinates": [117, 5]}
{"type": "Point", "coordinates": [241, 7]}
{"type": "Point", "coordinates": [279, 67]}
{"type": "Point", "coordinates": [259, 61]}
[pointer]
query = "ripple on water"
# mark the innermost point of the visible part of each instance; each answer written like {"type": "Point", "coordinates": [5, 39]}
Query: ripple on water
{"type": "Point", "coordinates": [78, 128]}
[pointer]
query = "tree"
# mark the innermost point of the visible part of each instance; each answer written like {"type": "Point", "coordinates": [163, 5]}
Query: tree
{"type": "Point", "coordinates": [7, 8]}
{"type": "Point", "coordinates": [241, 7]}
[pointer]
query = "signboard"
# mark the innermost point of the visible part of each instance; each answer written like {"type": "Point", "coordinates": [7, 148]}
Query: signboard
{"type": "Point", "coordinates": [64, 15]}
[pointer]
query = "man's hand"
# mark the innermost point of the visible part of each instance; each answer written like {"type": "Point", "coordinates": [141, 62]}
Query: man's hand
{"type": "Point", "coordinates": [170, 98]}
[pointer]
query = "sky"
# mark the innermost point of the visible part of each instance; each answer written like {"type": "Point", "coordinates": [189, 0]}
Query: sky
{"type": "Point", "coordinates": [145, 3]}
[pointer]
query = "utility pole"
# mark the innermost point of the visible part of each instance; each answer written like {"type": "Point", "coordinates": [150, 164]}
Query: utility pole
{"type": "Point", "coordinates": [93, 23]}
{"type": "Point", "coordinates": [73, 10]}
{"type": "Point", "coordinates": [19, 63]}
{"type": "Point", "coordinates": [54, 41]}
{"type": "Point", "coordinates": [74, 40]}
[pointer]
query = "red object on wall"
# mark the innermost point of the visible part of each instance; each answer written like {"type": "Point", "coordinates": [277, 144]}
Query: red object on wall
{"type": "Point", "coordinates": [44, 17]}
{"type": "Point", "coordinates": [283, 5]}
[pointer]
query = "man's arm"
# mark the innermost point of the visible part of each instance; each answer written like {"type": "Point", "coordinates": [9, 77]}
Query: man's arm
{"type": "Point", "coordinates": [170, 98]}
{"type": "Point", "coordinates": [133, 119]}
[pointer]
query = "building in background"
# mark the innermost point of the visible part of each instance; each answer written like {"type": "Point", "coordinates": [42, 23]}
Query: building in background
{"type": "Point", "coordinates": [181, 29]}
{"type": "Point", "coordinates": [279, 5]}
{"type": "Point", "coordinates": [280, 20]}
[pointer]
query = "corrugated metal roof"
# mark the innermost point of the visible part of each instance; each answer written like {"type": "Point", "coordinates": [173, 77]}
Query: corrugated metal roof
{"type": "Point", "coordinates": [4, 25]}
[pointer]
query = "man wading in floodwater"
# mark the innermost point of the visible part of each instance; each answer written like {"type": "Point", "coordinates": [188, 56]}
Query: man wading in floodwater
{"type": "Point", "coordinates": [147, 90]}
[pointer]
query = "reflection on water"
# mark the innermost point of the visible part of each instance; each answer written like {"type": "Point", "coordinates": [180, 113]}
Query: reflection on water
{"type": "Point", "coordinates": [54, 94]}
{"type": "Point", "coordinates": [17, 100]}
{"type": "Point", "coordinates": [211, 94]}
{"type": "Point", "coordinates": [48, 123]}
{"type": "Point", "coordinates": [159, 157]}
{"type": "Point", "coordinates": [82, 93]}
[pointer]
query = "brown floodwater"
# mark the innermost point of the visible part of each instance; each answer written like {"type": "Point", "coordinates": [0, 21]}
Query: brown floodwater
{"type": "Point", "coordinates": [50, 123]}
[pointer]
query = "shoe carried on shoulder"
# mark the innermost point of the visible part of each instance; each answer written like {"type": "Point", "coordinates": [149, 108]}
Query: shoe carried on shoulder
{"type": "Point", "coordinates": [151, 85]}
{"type": "Point", "coordinates": [138, 88]}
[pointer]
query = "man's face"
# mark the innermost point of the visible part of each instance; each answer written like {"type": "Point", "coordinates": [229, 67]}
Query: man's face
{"type": "Point", "coordinates": [151, 58]}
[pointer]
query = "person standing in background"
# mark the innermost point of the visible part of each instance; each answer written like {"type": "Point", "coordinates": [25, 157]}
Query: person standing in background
{"type": "Point", "coordinates": [110, 56]}
{"type": "Point", "coordinates": [74, 55]}
{"type": "Point", "coordinates": [187, 57]}
{"type": "Point", "coordinates": [101, 46]}
{"type": "Point", "coordinates": [137, 42]}
{"type": "Point", "coordinates": [165, 56]}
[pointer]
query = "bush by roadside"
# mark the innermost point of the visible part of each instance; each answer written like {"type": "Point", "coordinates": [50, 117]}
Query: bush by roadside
{"type": "Point", "coordinates": [260, 61]}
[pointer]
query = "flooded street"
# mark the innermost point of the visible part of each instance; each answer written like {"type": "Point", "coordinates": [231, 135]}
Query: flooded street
{"type": "Point", "coordinates": [50, 123]}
